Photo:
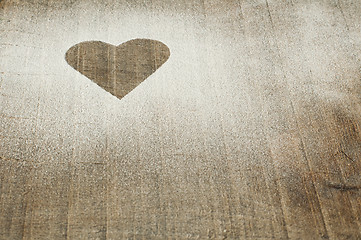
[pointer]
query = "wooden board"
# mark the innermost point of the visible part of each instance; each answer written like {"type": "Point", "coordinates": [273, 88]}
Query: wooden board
{"type": "Point", "coordinates": [249, 130]}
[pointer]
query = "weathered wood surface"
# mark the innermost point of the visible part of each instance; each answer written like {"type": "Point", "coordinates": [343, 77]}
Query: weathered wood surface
{"type": "Point", "coordinates": [250, 130]}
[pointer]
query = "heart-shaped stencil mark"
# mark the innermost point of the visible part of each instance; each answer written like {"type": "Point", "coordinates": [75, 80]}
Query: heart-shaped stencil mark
{"type": "Point", "coordinates": [118, 69]}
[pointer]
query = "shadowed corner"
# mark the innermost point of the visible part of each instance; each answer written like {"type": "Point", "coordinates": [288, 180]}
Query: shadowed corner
{"type": "Point", "coordinates": [118, 69]}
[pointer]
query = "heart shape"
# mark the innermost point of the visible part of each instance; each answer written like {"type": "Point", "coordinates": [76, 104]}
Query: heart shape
{"type": "Point", "coordinates": [118, 69]}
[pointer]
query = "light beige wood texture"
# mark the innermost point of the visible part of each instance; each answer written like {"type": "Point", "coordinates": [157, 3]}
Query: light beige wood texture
{"type": "Point", "coordinates": [250, 130]}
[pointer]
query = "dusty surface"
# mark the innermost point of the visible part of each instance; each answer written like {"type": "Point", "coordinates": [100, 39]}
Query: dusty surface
{"type": "Point", "coordinates": [250, 130]}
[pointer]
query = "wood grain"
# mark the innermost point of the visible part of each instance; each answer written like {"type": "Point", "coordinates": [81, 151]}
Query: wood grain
{"type": "Point", "coordinates": [250, 130]}
{"type": "Point", "coordinates": [118, 69]}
